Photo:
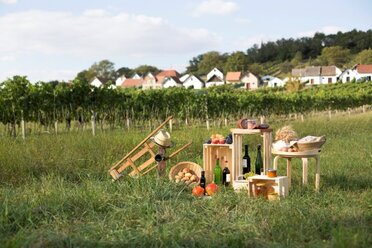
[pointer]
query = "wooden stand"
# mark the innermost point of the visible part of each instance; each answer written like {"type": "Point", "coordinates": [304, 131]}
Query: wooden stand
{"type": "Point", "coordinates": [304, 156]}
{"type": "Point", "coordinates": [237, 148]}
{"type": "Point", "coordinates": [128, 161]}
{"type": "Point", "coordinates": [213, 151]}
{"type": "Point", "coordinates": [280, 184]}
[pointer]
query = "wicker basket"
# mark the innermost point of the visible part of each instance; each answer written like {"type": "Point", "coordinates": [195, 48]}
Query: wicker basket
{"type": "Point", "coordinates": [307, 146]}
{"type": "Point", "coordinates": [181, 165]}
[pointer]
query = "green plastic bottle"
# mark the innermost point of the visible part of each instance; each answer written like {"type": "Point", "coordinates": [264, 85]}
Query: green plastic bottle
{"type": "Point", "coordinates": [217, 172]}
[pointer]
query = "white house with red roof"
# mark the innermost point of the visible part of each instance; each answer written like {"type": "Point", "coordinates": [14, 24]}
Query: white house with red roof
{"type": "Point", "coordinates": [233, 77]}
{"type": "Point", "coordinates": [358, 72]}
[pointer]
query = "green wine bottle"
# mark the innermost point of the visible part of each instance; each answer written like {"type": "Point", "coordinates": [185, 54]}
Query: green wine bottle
{"type": "Point", "coordinates": [217, 172]}
{"type": "Point", "coordinates": [258, 164]}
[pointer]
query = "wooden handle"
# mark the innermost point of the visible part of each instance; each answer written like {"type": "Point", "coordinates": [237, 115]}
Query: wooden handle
{"type": "Point", "coordinates": [142, 142]}
{"type": "Point", "coordinates": [179, 150]}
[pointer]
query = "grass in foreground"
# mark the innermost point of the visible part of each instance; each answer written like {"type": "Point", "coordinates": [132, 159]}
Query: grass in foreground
{"type": "Point", "coordinates": [55, 192]}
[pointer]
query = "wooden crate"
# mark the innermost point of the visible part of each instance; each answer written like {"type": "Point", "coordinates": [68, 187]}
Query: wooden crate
{"type": "Point", "coordinates": [210, 153]}
{"type": "Point", "coordinates": [280, 184]}
{"type": "Point", "coordinates": [238, 134]}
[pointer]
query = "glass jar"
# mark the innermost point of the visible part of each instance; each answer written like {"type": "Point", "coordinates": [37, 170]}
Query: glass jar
{"type": "Point", "coordinates": [271, 173]}
{"type": "Point", "coordinates": [261, 190]}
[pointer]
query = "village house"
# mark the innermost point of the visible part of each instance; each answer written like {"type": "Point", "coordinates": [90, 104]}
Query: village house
{"type": "Point", "coordinates": [132, 83]}
{"type": "Point", "coordinates": [214, 78]}
{"type": "Point", "coordinates": [271, 81]}
{"type": "Point", "coordinates": [97, 82]}
{"type": "Point", "coordinates": [120, 80]}
{"type": "Point", "coordinates": [233, 77]}
{"type": "Point", "coordinates": [171, 82]}
{"type": "Point", "coordinates": [193, 82]}
{"type": "Point", "coordinates": [184, 77]}
{"type": "Point", "coordinates": [250, 81]}
{"type": "Point", "coordinates": [358, 72]}
{"type": "Point", "coordinates": [150, 82]}
{"type": "Point", "coordinates": [317, 74]}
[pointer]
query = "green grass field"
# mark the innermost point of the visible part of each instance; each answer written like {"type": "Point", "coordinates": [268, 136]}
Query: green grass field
{"type": "Point", "coordinates": [55, 192]}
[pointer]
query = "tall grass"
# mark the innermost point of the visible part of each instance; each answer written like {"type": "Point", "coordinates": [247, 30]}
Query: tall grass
{"type": "Point", "coordinates": [55, 192]}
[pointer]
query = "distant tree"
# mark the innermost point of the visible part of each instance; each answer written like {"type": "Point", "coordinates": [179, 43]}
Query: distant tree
{"type": "Point", "coordinates": [335, 55]}
{"type": "Point", "coordinates": [105, 70]}
{"type": "Point", "coordinates": [144, 69]}
{"type": "Point", "coordinates": [124, 71]}
{"type": "Point", "coordinates": [364, 57]}
{"type": "Point", "coordinates": [237, 61]}
{"type": "Point", "coordinates": [194, 64]}
{"type": "Point", "coordinates": [85, 76]}
{"type": "Point", "coordinates": [256, 69]}
{"type": "Point", "coordinates": [297, 59]}
{"type": "Point", "coordinates": [211, 60]}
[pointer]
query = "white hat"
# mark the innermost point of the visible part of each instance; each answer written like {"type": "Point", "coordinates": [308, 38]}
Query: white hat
{"type": "Point", "coordinates": [162, 138]}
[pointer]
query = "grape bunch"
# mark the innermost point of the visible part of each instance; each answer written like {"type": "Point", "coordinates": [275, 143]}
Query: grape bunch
{"type": "Point", "coordinates": [229, 139]}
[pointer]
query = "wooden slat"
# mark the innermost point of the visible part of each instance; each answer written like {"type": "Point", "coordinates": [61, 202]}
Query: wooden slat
{"type": "Point", "coordinates": [151, 168]}
{"type": "Point", "coordinates": [149, 148]}
{"type": "Point", "coordinates": [143, 166]}
{"type": "Point", "coordinates": [135, 169]}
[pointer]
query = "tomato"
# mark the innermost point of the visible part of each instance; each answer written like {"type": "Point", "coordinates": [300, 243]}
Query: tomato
{"type": "Point", "coordinates": [198, 191]}
{"type": "Point", "coordinates": [211, 189]}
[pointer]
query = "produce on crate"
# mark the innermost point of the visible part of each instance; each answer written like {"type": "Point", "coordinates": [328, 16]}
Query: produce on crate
{"type": "Point", "coordinates": [219, 139]}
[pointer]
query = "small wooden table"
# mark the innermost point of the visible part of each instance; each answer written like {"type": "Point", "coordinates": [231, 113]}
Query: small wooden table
{"type": "Point", "coordinates": [304, 156]}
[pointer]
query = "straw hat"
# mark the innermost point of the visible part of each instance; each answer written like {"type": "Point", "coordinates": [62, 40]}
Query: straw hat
{"type": "Point", "coordinates": [162, 138]}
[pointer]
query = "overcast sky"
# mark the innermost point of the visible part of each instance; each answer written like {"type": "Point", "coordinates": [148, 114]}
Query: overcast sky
{"type": "Point", "coordinates": [54, 40]}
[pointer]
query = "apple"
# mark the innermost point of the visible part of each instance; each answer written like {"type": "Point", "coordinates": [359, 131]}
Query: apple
{"type": "Point", "coordinates": [215, 141]}
{"type": "Point", "coordinates": [211, 189]}
{"type": "Point", "coordinates": [198, 191]}
{"type": "Point", "coordinates": [221, 141]}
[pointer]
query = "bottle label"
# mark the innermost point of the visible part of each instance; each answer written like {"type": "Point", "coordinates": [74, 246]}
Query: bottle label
{"type": "Point", "coordinates": [244, 163]}
{"type": "Point", "coordinates": [228, 178]}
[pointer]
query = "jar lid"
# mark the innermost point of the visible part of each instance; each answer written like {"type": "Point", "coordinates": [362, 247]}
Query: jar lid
{"type": "Point", "coordinates": [271, 169]}
{"type": "Point", "coordinates": [260, 184]}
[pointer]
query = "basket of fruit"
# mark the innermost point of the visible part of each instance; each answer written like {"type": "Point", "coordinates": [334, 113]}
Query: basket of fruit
{"type": "Point", "coordinates": [185, 172]}
{"type": "Point", "coordinates": [310, 143]}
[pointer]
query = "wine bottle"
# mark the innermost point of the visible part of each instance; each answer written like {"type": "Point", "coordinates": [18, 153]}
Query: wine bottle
{"type": "Point", "coordinates": [258, 163]}
{"type": "Point", "coordinates": [226, 177]}
{"type": "Point", "coordinates": [246, 163]}
{"type": "Point", "coordinates": [202, 180]}
{"type": "Point", "coordinates": [217, 172]}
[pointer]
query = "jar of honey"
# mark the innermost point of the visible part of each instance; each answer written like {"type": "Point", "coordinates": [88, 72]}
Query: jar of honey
{"type": "Point", "coordinates": [261, 190]}
{"type": "Point", "coordinates": [271, 173]}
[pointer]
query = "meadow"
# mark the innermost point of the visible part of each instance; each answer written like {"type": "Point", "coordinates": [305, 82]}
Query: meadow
{"type": "Point", "coordinates": [55, 192]}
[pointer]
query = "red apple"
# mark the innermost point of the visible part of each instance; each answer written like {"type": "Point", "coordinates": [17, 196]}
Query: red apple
{"type": "Point", "coordinates": [221, 141]}
{"type": "Point", "coordinates": [211, 189]}
{"type": "Point", "coordinates": [198, 191]}
{"type": "Point", "coordinates": [215, 141]}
